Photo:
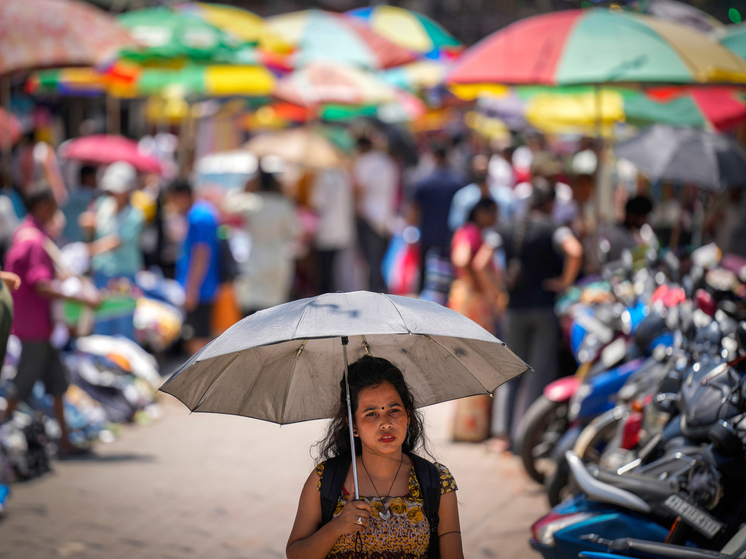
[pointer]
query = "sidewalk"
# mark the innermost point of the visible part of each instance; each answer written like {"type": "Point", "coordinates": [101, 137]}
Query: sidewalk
{"type": "Point", "coordinates": [215, 486]}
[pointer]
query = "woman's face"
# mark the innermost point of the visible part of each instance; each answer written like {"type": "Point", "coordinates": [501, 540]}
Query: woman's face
{"type": "Point", "coordinates": [381, 419]}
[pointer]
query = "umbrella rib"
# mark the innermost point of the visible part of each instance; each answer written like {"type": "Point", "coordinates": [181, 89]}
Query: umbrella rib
{"type": "Point", "coordinates": [305, 310]}
{"type": "Point", "coordinates": [448, 351]}
{"type": "Point", "coordinates": [290, 378]}
{"type": "Point", "coordinates": [215, 378]}
{"type": "Point", "coordinates": [397, 312]}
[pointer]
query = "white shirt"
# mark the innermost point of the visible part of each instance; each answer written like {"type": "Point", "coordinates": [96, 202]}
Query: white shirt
{"type": "Point", "coordinates": [377, 176]}
{"type": "Point", "coordinates": [332, 201]}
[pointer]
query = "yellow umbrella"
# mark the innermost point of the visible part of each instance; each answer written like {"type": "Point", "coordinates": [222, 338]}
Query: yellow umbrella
{"type": "Point", "coordinates": [300, 146]}
{"type": "Point", "coordinates": [578, 112]}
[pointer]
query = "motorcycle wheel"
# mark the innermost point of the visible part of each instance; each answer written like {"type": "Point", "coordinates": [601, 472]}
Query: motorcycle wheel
{"type": "Point", "coordinates": [540, 430]}
{"type": "Point", "coordinates": [589, 447]}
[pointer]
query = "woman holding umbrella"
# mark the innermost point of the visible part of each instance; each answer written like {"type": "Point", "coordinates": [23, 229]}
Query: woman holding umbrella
{"type": "Point", "coordinates": [394, 520]}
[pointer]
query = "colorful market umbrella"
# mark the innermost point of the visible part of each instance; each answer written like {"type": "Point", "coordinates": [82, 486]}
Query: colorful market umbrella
{"type": "Point", "coordinates": [333, 83]}
{"type": "Point", "coordinates": [102, 149]}
{"type": "Point", "coordinates": [597, 46]}
{"type": "Point", "coordinates": [712, 107]}
{"type": "Point", "coordinates": [48, 33]}
{"type": "Point", "coordinates": [243, 24]}
{"type": "Point", "coordinates": [405, 108]}
{"type": "Point", "coordinates": [582, 109]}
{"type": "Point", "coordinates": [734, 38]}
{"type": "Point", "coordinates": [324, 36]}
{"type": "Point", "coordinates": [300, 146]}
{"type": "Point", "coordinates": [417, 76]}
{"type": "Point", "coordinates": [131, 81]}
{"type": "Point", "coordinates": [673, 10]}
{"type": "Point", "coordinates": [410, 30]}
{"type": "Point", "coordinates": [167, 34]}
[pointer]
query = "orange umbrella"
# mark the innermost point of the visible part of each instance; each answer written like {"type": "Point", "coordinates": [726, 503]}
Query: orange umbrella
{"type": "Point", "coordinates": [51, 33]}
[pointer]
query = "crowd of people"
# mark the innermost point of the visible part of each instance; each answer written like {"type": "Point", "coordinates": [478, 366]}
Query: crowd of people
{"type": "Point", "coordinates": [500, 232]}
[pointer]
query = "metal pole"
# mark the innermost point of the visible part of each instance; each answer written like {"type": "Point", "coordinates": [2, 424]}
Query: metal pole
{"type": "Point", "coordinates": [345, 341]}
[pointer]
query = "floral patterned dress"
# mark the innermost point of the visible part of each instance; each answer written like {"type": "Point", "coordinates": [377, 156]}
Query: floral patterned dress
{"type": "Point", "coordinates": [404, 535]}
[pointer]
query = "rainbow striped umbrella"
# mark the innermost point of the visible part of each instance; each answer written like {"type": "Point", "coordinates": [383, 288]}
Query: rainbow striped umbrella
{"type": "Point", "coordinates": [333, 83]}
{"type": "Point", "coordinates": [597, 46]}
{"type": "Point", "coordinates": [130, 81]}
{"type": "Point", "coordinates": [164, 33]}
{"type": "Point", "coordinates": [581, 109]}
{"type": "Point", "coordinates": [410, 30]}
{"type": "Point", "coordinates": [240, 23]}
{"type": "Point", "coordinates": [324, 36]}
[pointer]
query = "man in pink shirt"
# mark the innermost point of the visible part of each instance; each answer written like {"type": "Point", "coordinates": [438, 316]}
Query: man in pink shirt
{"type": "Point", "coordinates": [28, 258]}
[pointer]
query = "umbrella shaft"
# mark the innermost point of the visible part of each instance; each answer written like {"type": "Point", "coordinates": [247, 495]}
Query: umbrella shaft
{"type": "Point", "coordinates": [349, 418]}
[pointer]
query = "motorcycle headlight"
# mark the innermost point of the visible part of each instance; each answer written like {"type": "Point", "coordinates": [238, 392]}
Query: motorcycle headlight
{"type": "Point", "coordinates": [544, 529]}
{"type": "Point", "coordinates": [704, 485]}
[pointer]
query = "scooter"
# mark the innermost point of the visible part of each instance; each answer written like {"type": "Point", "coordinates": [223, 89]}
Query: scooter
{"type": "Point", "coordinates": [700, 488]}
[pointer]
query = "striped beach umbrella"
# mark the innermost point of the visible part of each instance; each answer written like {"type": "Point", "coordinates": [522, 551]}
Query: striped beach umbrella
{"type": "Point", "coordinates": [597, 46]}
{"type": "Point", "coordinates": [410, 30]}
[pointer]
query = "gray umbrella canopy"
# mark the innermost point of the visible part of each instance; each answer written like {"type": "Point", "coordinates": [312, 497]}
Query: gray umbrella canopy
{"type": "Point", "coordinates": [285, 364]}
{"type": "Point", "coordinates": [712, 161]}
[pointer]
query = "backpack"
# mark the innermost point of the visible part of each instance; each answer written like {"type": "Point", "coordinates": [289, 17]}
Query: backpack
{"type": "Point", "coordinates": [428, 476]}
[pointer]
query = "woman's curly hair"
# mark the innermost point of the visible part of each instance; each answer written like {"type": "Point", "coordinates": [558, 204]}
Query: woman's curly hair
{"type": "Point", "coordinates": [365, 373]}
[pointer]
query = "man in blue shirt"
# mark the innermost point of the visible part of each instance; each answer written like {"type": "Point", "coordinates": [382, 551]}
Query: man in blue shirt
{"type": "Point", "coordinates": [429, 210]}
{"type": "Point", "coordinates": [198, 265]}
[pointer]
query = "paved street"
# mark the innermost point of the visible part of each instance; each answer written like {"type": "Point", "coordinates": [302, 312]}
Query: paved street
{"type": "Point", "coordinates": [200, 485]}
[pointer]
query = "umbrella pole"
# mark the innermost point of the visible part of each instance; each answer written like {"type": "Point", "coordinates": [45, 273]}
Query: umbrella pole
{"type": "Point", "coordinates": [345, 341]}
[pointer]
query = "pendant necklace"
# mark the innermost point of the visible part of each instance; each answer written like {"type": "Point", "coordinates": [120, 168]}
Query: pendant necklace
{"type": "Point", "coordinates": [386, 514]}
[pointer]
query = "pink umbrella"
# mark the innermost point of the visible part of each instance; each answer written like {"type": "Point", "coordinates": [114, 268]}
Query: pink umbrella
{"type": "Point", "coordinates": [104, 149]}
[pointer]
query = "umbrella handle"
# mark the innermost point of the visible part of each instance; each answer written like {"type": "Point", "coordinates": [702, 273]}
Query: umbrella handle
{"type": "Point", "coordinates": [345, 341]}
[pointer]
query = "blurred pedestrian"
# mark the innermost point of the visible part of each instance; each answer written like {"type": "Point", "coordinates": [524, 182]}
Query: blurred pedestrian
{"type": "Point", "coordinates": [476, 293]}
{"type": "Point", "coordinates": [332, 200]}
{"type": "Point", "coordinates": [430, 207]}
{"type": "Point", "coordinates": [115, 251]}
{"type": "Point", "coordinates": [29, 259]}
{"type": "Point", "coordinates": [465, 198]}
{"type": "Point", "coordinates": [271, 221]}
{"type": "Point", "coordinates": [626, 235]}
{"type": "Point", "coordinates": [36, 161]}
{"type": "Point", "coordinates": [376, 177]}
{"type": "Point", "coordinates": [198, 264]}
{"type": "Point", "coordinates": [77, 203]}
{"type": "Point", "coordinates": [543, 259]}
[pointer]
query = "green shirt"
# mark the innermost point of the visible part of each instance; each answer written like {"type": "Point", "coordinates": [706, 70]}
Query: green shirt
{"type": "Point", "coordinates": [127, 224]}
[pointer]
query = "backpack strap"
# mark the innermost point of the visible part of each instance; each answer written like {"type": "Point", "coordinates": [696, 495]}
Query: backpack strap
{"type": "Point", "coordinates": [428, 477]}
{"type": "Point", "coordinates": [332, 482]}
